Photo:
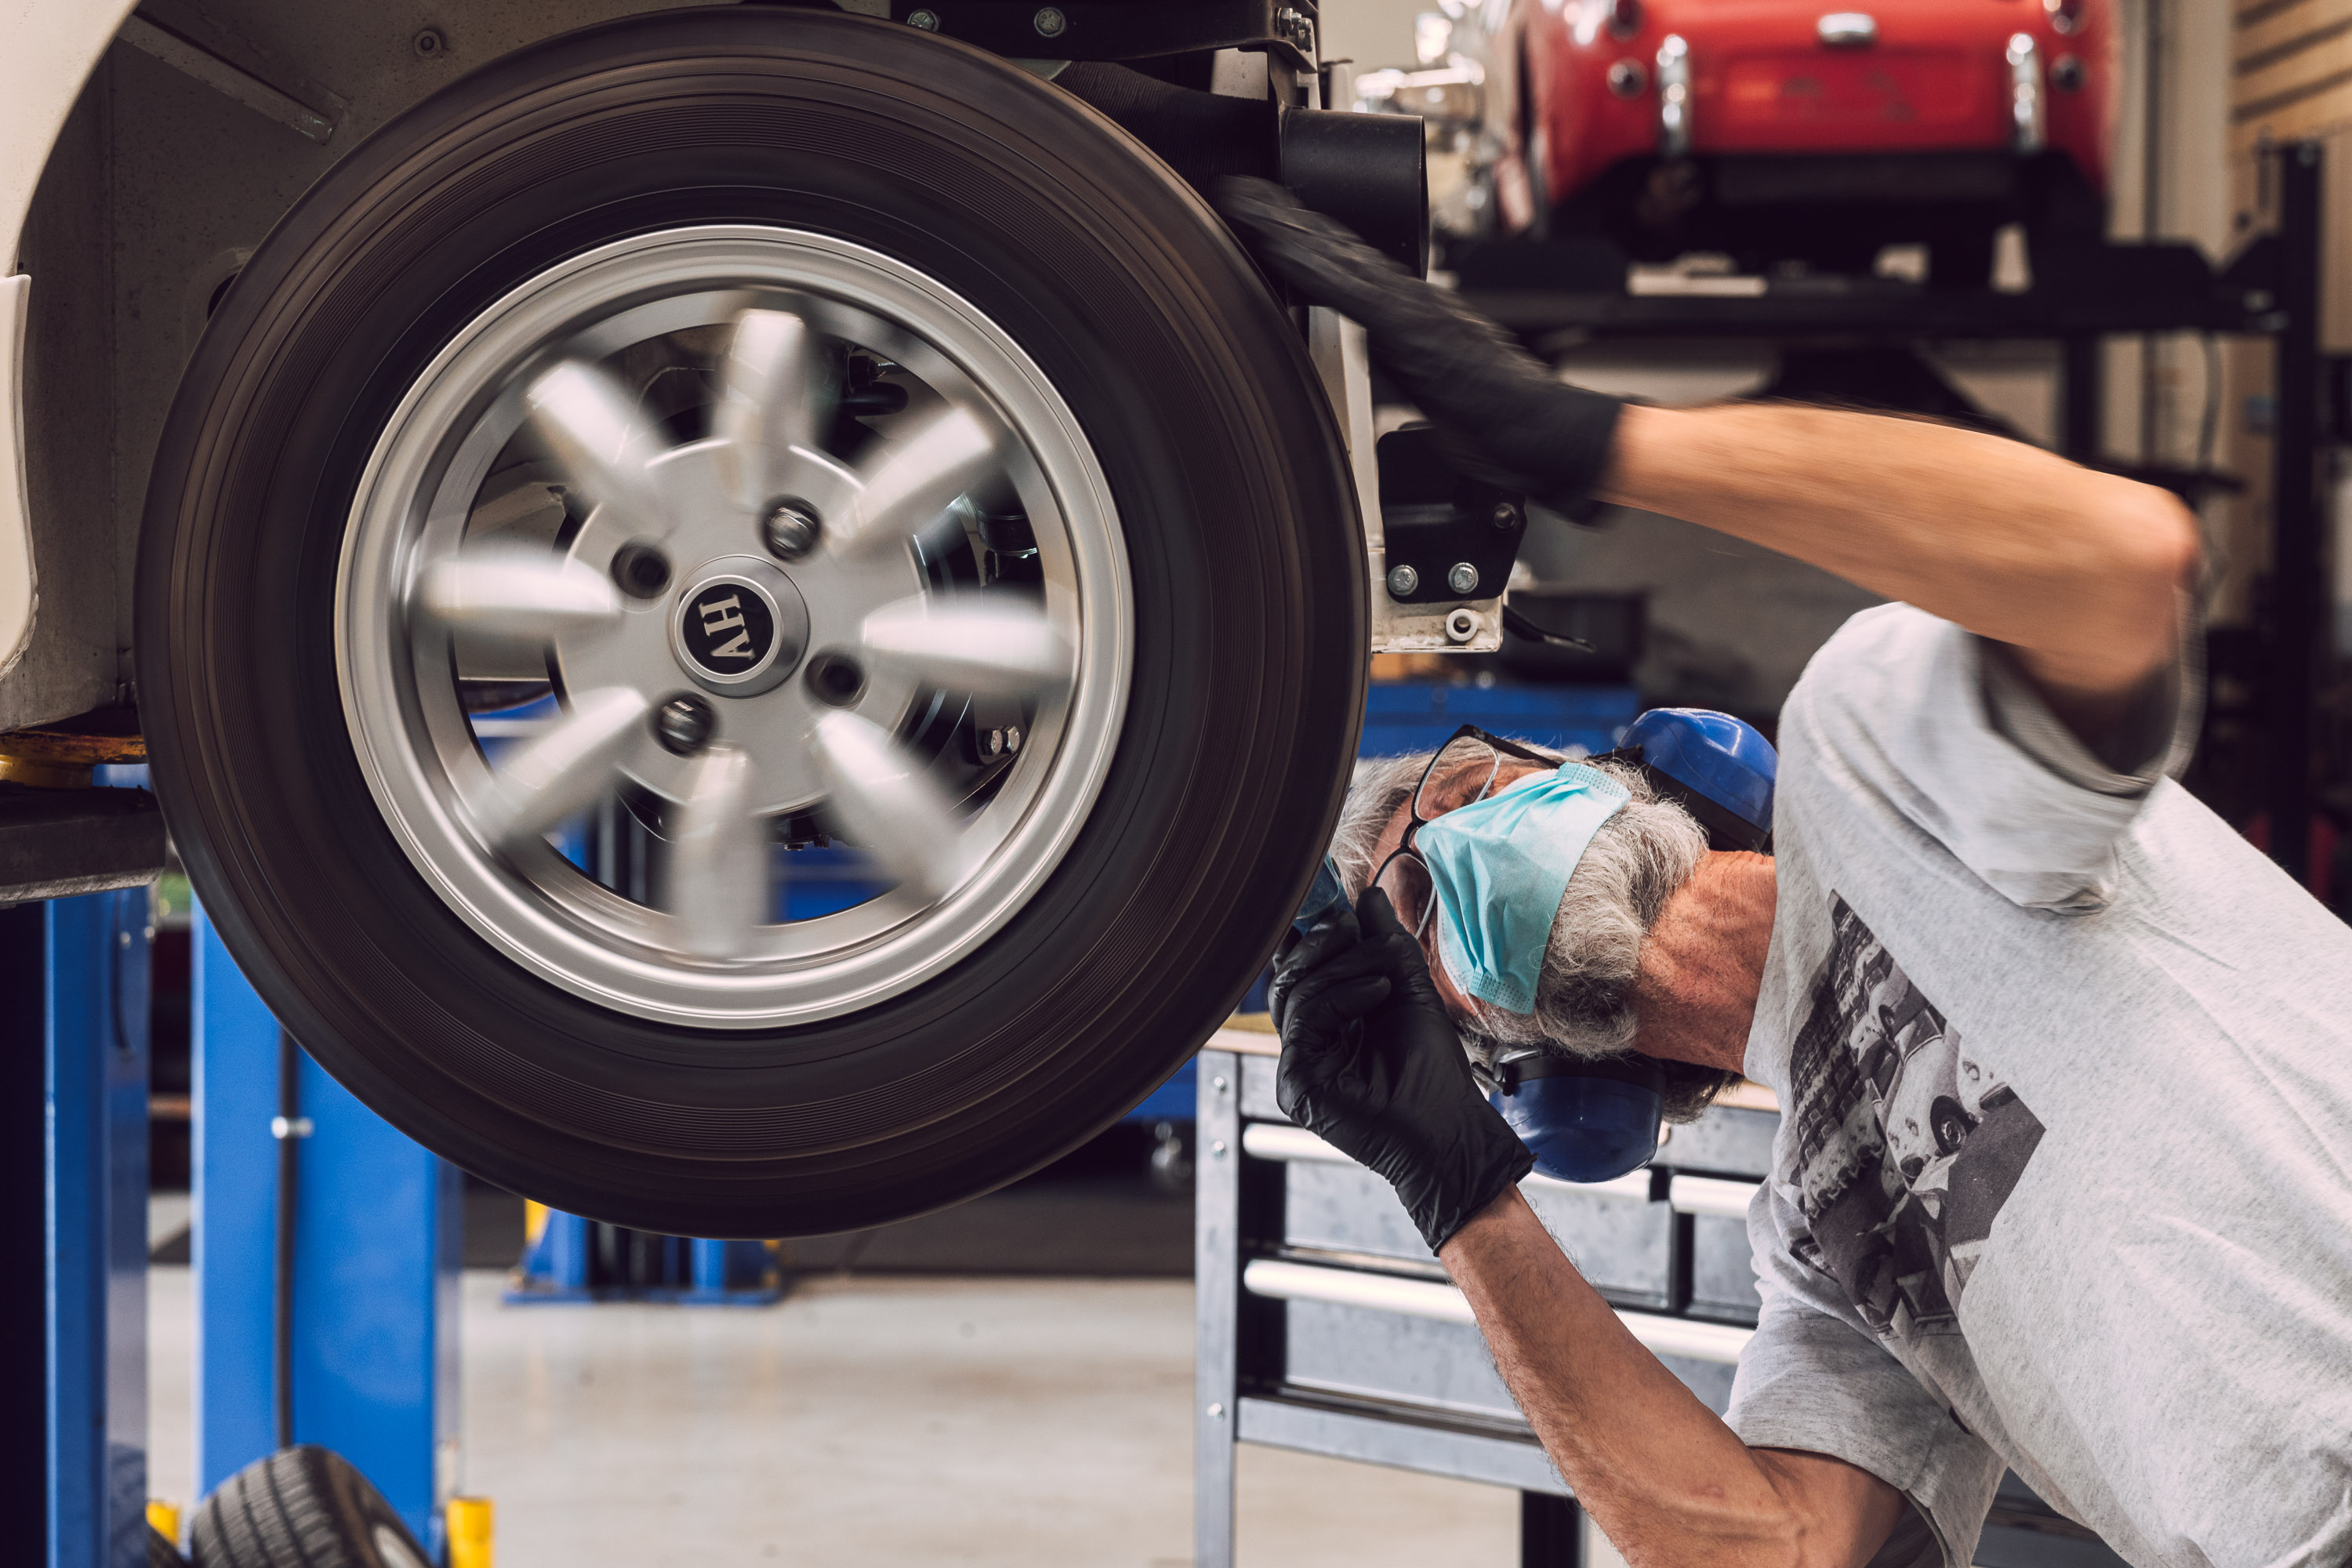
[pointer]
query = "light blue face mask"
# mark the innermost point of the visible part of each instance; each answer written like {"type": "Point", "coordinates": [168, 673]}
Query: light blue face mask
{"type": "Point", "coordinates": [1499, 868]}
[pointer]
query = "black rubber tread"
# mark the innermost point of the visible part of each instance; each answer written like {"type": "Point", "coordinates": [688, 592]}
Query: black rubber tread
{"type": "Point", "coordinates": [162, 1552]}
{"type": "Point", "coordinates": [304, 1507]}
{"type": "Point", "coordinates": [1240, 520]}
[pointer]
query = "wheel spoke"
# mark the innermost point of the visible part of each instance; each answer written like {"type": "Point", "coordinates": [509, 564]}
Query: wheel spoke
{"type": "Point", "coordinates": [718, 883]}
{"type": "Point", "coordinates": [994, 649]}
{"type": "Point", "coordinates": [559, 773]}
{"type": "Point", "coordinates": [601, 440]}
{"type": "Point", "coordinates": [778, 394]}
{"type": "Point", "coordinates": [517, 593]}
{"type": "Point", "coordinates": [915, 478]}
{"type": "Point", "coordinates": [887, 803]}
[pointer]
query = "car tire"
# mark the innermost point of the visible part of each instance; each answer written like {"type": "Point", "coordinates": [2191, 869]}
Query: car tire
{"type": "Point", "coordinates": [303, 1507]}
{"type": "Point", "coordinates": [1242, 648]}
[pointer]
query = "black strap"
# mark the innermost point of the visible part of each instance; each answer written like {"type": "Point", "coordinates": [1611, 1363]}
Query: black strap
{"type": "Point", "coordinates": [1631, 1068]}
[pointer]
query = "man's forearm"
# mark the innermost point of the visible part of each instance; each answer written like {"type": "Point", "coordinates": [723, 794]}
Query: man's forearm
{"type": "Point", "coordinates": [2079, 570]}
{"type": "Point", "coordinates": [1664, 1478]}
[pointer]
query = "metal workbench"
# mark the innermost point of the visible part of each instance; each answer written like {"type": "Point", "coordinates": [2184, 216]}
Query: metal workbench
{"type": "Point", "coordinates": [1326, 1326]}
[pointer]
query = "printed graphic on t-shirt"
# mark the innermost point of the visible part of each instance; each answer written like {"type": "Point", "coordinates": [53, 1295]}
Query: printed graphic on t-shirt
{"type": "Point", "coordinates": [1907, 1145]}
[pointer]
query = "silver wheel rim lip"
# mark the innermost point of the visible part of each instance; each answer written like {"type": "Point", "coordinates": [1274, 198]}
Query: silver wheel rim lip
{"type": "Point", "coordinates": [900, 942]}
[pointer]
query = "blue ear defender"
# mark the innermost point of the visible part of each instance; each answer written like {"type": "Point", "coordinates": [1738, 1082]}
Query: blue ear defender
{"type": "Point", "coordinates": [1588, 1120]}
{"type": "Point", "coordinates": [1719, 768]}
{"type": "Point", "coordinates": [1583, 1121]}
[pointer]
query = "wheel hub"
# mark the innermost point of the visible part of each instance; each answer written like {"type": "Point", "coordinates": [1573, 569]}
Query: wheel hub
{"type": "Point", "coordinates": [777, 627]}
{"type": "Point", "coordinates": [739, 627]}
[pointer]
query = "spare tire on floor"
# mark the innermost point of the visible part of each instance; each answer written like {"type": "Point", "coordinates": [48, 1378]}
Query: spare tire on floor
{"type": "Point", "coordinates": [304, 1507]}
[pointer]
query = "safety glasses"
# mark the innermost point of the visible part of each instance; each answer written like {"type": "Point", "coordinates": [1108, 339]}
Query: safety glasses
{"type": "Point", "coordinates": [1463, 771]}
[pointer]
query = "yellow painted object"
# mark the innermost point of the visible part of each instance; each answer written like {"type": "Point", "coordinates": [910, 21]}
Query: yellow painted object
{"type": "Point", "coordinates": [165, 1518]}
{"type": "Point", "coordinates": [467, 1521]}
{"type": "Point", "coordinates": [535, 1220]}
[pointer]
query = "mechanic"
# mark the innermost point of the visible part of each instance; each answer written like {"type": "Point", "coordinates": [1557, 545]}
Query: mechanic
{"type": "Point", "coordinates": [2132, 1280]}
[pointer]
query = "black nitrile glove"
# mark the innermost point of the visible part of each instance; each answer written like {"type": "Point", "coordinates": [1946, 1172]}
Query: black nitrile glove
{"type": "Point", "coordinates": [1373, 1065]}
{"type": "Point", "coordinates": [1506, 418]}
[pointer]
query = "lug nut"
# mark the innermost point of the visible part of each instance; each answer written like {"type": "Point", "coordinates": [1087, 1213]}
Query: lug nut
{"type": "Point", "coordinates": [1464, 578]}
{"type": "Point", "coordinates": [835, 679]}
{"type": "Point", "coordinates": [791, 529]}
{"type": "Point", "coordinates": [1402, 581]}
{"type": "Point", "coordinates": [684, 724]}
{"type": "Point", "coordinates": [641, 571]}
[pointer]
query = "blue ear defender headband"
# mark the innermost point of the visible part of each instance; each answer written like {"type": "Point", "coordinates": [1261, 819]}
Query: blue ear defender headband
{"type": "Point", "coordinates": [1597, 1120]}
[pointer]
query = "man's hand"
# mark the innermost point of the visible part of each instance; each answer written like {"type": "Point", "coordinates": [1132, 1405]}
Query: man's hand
{"type": "Point", "coordinates": [1373, 1065]}
{"type": "Point", "coordinates": [1507, 420]}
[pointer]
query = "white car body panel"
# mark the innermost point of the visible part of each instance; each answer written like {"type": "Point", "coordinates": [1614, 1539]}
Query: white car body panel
{"type": "Point", "coordinates": [53, 46]}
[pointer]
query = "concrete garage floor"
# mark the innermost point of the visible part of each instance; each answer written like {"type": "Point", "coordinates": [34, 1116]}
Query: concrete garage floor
{"type": "Point", "coordinates": [874, 1420]}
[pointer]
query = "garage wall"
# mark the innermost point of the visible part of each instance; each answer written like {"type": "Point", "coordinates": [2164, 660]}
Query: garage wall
{"type": "Point", "coordinates": [1372, 33]}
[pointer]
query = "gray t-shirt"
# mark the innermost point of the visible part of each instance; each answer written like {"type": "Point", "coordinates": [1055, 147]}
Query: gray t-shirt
{"type": "Point", "coordinates": [2064, 1172]}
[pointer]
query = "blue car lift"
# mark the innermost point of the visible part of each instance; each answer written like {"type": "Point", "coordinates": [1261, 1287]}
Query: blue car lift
{"type": "Point", "coordinates": [73, 975]}
{"type": "Point", "coordinates": [342, 1328]}
{"type": "Point", "coordinates": [370, 1339]}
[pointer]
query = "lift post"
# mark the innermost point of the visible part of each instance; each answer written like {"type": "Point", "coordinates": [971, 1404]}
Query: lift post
{"type": "Point", "coordinates": [368, 1338]}
{"type": "Point", "coordinates": [73, 1381]}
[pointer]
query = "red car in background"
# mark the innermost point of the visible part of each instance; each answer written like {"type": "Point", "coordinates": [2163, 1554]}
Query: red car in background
{"type": "Point", "coordinates": [1779, 131]}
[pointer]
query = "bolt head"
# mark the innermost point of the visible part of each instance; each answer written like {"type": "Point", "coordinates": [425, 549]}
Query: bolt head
{"type": "Point", "coordinates": [684, 724]}
{"type": "Point", "coordinates": [994, 743]}
{"type": "Point", "coordinates": [1464, 578]}
{"type": "Point", "coordinates": [1402, 581]}
{"type": "Point", "coordinates": [640, 570]}
{"type": "Point", "coordinates": [928, 21]}
{"type": "Point", "coordinates": [1012, 738]}
{"type": "Point", "coordinates": [791, 529]}
{"type": "Point", "coordinates": [429, 44]}
{"type": "Point", "coordinates": [1507, 515]}
{"type": "Point", "coordinates": [1050, 22]}
{"type": "Point", "coordinates": [835, 679]}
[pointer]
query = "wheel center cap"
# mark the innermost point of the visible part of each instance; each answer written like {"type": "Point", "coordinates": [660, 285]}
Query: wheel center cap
{"type": "Point", "coordinates": [739, 627]}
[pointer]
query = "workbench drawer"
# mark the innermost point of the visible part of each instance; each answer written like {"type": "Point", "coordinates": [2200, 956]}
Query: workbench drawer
{"type": "Point", "coordinates": [1385, 1355]}
{"type": "Point", "coordinates": [1723, 1270]}
{"type": "Point", "coordinates": [1369, 1353]}
{"type": "Point", "coordinates": [1726, 1142]}
{"type": "Point", "coordinates": [1624, 1245]}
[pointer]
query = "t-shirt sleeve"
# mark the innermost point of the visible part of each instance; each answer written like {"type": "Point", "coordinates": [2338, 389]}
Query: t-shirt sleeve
{"type": "Point", "coordinates": [1813, 1380]}
{"type": "Point", "coordinates": [1945, 726]}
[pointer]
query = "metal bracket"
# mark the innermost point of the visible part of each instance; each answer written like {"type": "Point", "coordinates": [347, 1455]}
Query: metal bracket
{"type": "Point", "coordinates": [1119, 29]}
{"type": "Point", "coordinates": [1453, 625]}
{"type": "Point", "coordinates": [208, 64]}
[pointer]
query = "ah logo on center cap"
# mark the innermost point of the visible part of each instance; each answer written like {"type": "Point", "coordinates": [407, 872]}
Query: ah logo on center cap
{"type": "Point", "coordinates": [729, 628]}
{"type": "Point", "coordinates": [739, 632]}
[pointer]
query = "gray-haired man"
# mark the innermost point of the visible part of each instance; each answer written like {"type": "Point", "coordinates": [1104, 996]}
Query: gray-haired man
{"type": "Point", "coordinates": [2062, 1182]}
